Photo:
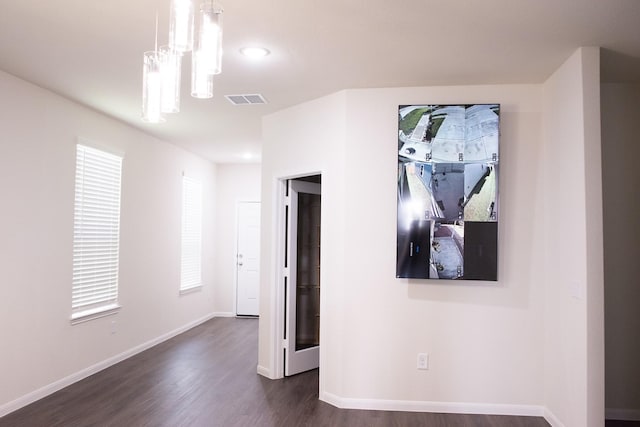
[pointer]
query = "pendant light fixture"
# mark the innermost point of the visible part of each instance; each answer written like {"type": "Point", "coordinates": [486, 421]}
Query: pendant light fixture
{"type": "Point", "coordinates": [152, 88]}
{"type": "Point", "coordinates": [181, 25]}
{"type": "Point", "coordinates": [201, 79]}
{"type": "Point", "coordinates": [171, 71]}
{"type": "Point", "coordinates": [162, 70]}
{"type": "Point", "coordinates": [152, 84]}
{"type": "Point", "coordinates": [209, 42]}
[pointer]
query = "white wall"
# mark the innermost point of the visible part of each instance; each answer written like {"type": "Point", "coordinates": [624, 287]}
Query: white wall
{"type": "Point", "coordinates": [304, 140]}
{"type": "Point", "coordinates": [484, 339]}
{"type": "Point", "coordinates": [571, 175]}
{"type": "Point", "coordinates": [39, 132]}
{"type": "Point", "coordinates": [465, 327]}
{"type": "Point", "coordinates": [235, 183]}
{"type": "Point", "coordinates": [621, 178]}
{"type": "Point", "coordinates": [516, 346]}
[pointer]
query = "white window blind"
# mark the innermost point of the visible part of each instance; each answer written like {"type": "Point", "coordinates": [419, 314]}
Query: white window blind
{"type": "Point", "coordinates": [96, 232]}
{"type": "Point", "coordinates": [191, 264]}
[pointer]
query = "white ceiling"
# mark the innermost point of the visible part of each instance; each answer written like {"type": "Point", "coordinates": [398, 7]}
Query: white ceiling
{"type": "Point", "coordinates": [91, 51]}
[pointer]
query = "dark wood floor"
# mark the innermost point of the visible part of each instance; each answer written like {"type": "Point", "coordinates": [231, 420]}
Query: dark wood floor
{"type": "Point", "coordinates": [207, 377]}
{"type": "Point", "coordinates": [616, 423]}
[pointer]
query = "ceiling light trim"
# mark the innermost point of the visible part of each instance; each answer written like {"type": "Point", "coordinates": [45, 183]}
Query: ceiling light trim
{"type": "Point", "coordinates": [255, 52]}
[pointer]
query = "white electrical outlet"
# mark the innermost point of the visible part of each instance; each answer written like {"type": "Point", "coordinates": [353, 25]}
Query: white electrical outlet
{"type": "Point", "coordinates": [114, 327]}
{"type": "Point", "coordinates": [423, 361]}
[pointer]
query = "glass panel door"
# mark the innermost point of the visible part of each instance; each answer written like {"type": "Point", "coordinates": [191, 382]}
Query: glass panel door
{"type": "Point", "coordinates": [308, 272]}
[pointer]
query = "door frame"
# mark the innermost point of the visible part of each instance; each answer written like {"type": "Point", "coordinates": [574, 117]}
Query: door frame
{"type": "Point", "coordinates": [278, 259]}
{"type": "Point", "coordinates": [297, 361]}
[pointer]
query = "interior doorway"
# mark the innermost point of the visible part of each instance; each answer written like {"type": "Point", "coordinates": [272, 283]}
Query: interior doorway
{"type": "Point", "coordinates": [302, 274]}
{"type": "Point", "coordinates": [248, 259]}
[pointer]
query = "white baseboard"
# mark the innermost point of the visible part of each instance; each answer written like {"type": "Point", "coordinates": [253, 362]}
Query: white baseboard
{"type": "Point", "coordinates": [264, 372]}
{"type": "Point", "coordinates": [443, 407]}
{"type": "Point", "coordinates": [622, 414]}
{"type": "Point", "coordinates": [224, 314]}
{"type": "Point", "coordinates": [80, 375]}
{"type": "Point", "coordinates": [423, 406]}
{"type": "Point", "coordinates": [552, 419]}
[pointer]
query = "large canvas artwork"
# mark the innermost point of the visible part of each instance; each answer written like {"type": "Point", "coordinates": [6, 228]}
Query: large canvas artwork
{"type": "Point", "coordinates": [448, 162]}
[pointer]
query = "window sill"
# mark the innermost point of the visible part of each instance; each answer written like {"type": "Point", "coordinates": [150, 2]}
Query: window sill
{"type": "Point", "coordinates": [190, 289]}
{"type": "Point", "coordinates": [94, 313]}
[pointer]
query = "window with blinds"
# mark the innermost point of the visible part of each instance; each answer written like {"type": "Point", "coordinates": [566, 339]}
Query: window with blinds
{"type": "Point", "coordinates": [191, 263]}
{"type": "Point", "coordinates": [96, 233]}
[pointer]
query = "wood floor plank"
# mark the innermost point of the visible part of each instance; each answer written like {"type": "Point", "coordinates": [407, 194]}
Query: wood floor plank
{"type": "Point", "coordinates": [207, 377]}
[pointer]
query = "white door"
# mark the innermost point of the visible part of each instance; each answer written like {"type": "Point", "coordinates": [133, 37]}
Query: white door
{"type": "Point", "coordinates": [248, 259]}
{"type": "Point", "coordinates": [302, 342]}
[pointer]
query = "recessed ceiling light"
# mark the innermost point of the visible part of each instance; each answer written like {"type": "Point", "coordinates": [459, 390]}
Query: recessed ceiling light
{"type": "Point", "coordinates": [254, 52]}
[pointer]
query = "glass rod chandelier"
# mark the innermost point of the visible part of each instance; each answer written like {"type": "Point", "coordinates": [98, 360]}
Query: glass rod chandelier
{"type": "Point", "coordinates": [162, 67]}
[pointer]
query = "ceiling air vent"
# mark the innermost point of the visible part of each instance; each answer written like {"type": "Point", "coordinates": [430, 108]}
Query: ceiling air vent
{"type": "Point", "coordinates": [254, 98]}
